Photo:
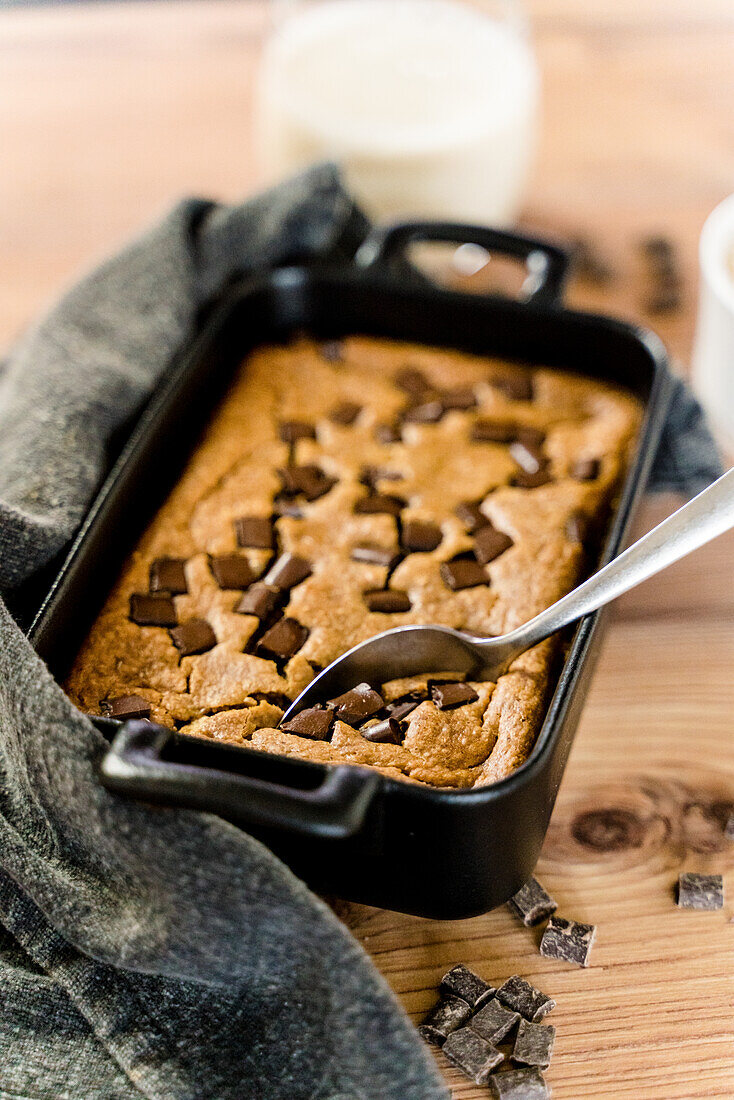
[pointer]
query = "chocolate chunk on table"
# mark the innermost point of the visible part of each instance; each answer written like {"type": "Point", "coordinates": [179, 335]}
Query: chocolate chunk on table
{"type": "Point", "coordinates": [357, 705]}
{"type": "Point", "coordinates": [288, 571]}
{"type": "Point", "coordinates": [462, 982]}
{"type": "Point", "coordinates": [519, 1084]}
{"type": "Point", "coordinates": [568, 940]}
{"type": "Point", "coordinates": [126, 706]}
{"type": "Point", "coordinates": [389, 601]}
{"type": "Point", "coordinates": [471, 516]}
{"type": "Point", "coordinates": [375, 555]}
{"type": "Point", "coordinates": [700, 891]}
{"type": "Point", "coordinates": [387, 732]}
{"type": "Point", "coordinates": [524, 998]}
{"type": "Point", "coordinates": [260, 600]}
{"type": "Point", "coordinates": [449, 696]}
{"type": "Point", "coordinates": [444, 1018]}
{"type": "Point", "coordinates": [167, 575]}
{"type": "Point", "coordinates": [420, 536]}
{"type": "Point", "coordinates": [534, 1044]}
{"type": "Point", "coordinates": [315, 723]}
{"type": "Point", "coordinates": [290, 431]}
{"type": "Point", "coordinates": [472, 1054]}
{"type": "Point", "coordinates": [493, 431]}
{"type": "Point", "coordinates": [193, 636]}
{"type": "Point", "coordinates": [463, 573]}
{"type": "Point", "coordinates": [460, 399]}
{"type": "Point", "coordinates": [232, 571]}
{"type": "Point", "coordinates": [379, 503]}
{"type": "Point", "coordinates": [532, 904]}
{"type": "Point", "coordinates": [308, 481]}
{"type": "Point", "coordinates": [585, 469]}
{"type": "Point", "coordinates": [282, 640]}
{"type": "Point", "coordinates": [494, 1021]}
{"type": "Point", "coordinates": [345, 413]}
{"type": "Point", "coordinates": [152, 610]}
{"type": "Point", "coordinates": [255, 531]}
{"type": "Point", "coordinates": [489, 543]}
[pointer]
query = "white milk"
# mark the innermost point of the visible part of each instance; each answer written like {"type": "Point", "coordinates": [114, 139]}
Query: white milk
{"type": "Point", "coordinates": [428, 104]}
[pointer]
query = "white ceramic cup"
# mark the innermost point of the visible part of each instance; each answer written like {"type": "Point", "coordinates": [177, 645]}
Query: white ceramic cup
{"type": "Point", "coordinates": [713, 352]}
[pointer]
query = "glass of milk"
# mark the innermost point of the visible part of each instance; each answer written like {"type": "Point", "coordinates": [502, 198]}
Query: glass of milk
{"type": "Point", "coordinates": [429, 105]}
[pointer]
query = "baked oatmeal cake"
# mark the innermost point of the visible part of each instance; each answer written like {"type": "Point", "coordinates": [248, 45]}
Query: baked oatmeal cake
{"type": "Point", "coordinates": [341, 489]}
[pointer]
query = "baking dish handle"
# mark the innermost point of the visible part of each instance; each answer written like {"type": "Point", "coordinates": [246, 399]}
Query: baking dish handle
{"type": "Point", "coordinates": [158, 765]}
{"type": "Point", "coordinates": [547, 263]}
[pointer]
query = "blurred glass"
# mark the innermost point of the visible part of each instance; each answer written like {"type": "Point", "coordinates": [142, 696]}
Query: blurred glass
{"type": "Point", "coordinates": [430, 106]}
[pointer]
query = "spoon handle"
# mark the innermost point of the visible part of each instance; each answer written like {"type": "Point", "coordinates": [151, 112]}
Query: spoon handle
{"type": "Point", "coordinates": [708, 515]}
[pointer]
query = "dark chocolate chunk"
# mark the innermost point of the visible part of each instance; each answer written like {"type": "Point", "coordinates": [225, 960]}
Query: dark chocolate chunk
{"type": "Point", "coordinates": [387, 433]}
{"type": "Point", "coordinates": [152, 610]}
{"type": "Point", "coordinates": [380, 503]}
{"type": "Point", "coordinates": [460, 398]}
{"type": "Point", "coordinates": [532, 904]}
{"type": "Point", "coordinates": [576, 527]}
{"type": "Point", "coordinates": [462, 982]}
{"type": "Point", "coordinates": [315, 723]}
{"type": "Point", "coordinates": [493, 431]}
{"type": "Point", "coordinates": [193, 636]}
{"type": "Point", "coordinates": [518, 387]}
{"type": "Point", "coordinates": [389, 601]}
{"type": "Point", "coordinates": [255, 531]}
{"type": "Point", "coordinates": [277, 698]}
{"type": "Point", "coordinates": [260, 599]}
{"type": "Point", "coordinates": [288, 571]}
{"type": "Point", "coordinates": [370, 475]}
{"type": "Point", "coordinates": [532, 481]}
{"type": "Point", "coordinates": [471, 516]}
{"type": "Point", "coordinates": [412, 382]}
{"type": "Point", "coordinates": [357, 705]}
{"type": "Point", "coordinates": [429, 412]}
{"type": "Point", "coordinates": [494, 1021]}
{"type": "Point", "coordinates": [283, 505]}
{"type": "Point", "coordinates": [534, 1044]}
{"type": "Point", "coordinates": [568, 940]}
{"type": "Point", "coordinates": [332, 351]}
{"type": "Point", "coordinates": [522, 997]}
{"type": "Point", "coordinates": [463, 573]}
{"type": "Point", "coordinates": [405, 705]}
{"type": "Point", "coordinates": [489, 543]}
{"type": "Point", "coordinates": [126, 706]}
{"type": "Point", "coordinates": [167, 575]}
{"type": "Point", "coordinates": [290, 431]}
{"type": "Point", "coordinates": [586, 469]}
{"type": "Point", "coordinates": [700, 891]}
{"type": "Point", "coordinates": [531, 437]}
{"type": "Point", "coordinates": [388, 731]}
{"type": "Point", "coordinates": [282, 640]}
{"type": "Point", "coordinates": [519, 1084]}
{"type": "Point", "coordinates": [346, 412]}
{"type": "Point", "coordinates": [444, 1018]}
{"type": "Point", "coordinates": [451, 695]}
{"type": "Point", "coordinates": [232, 571]}
{"type": "Point", "coordinates": [421, 536]}
{"type": "Point", "coordinates": [308, 481]}
{"type": "Point", "coordinates": [528, 456]}
{"type": "Point", "coordinates": [472, 1054]}
{"type": "Point", "coordinates": [375, 555]}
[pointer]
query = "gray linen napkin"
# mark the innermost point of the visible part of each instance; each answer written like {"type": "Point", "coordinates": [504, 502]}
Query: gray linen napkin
{"type": "Point", "coordinates": [149, 952]}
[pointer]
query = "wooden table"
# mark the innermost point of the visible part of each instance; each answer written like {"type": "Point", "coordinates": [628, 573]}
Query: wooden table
{"type": "Point", "coordinates": [109, 113]}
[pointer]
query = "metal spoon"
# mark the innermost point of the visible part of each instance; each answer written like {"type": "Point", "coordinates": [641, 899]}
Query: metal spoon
{"type": "Point", "coordinates": [409, 650]}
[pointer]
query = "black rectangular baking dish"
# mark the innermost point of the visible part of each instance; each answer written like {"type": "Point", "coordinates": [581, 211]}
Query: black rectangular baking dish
{"type": "Point", "coordinates": [347, 830]}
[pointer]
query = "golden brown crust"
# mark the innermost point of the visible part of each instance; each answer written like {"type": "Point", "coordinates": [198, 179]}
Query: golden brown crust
{"type": "Point", "coordinates": [230, 692]}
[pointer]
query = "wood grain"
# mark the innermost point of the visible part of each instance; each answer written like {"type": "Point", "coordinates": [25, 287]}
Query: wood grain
{"type": "Point", "coordinates": [109, 113]}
